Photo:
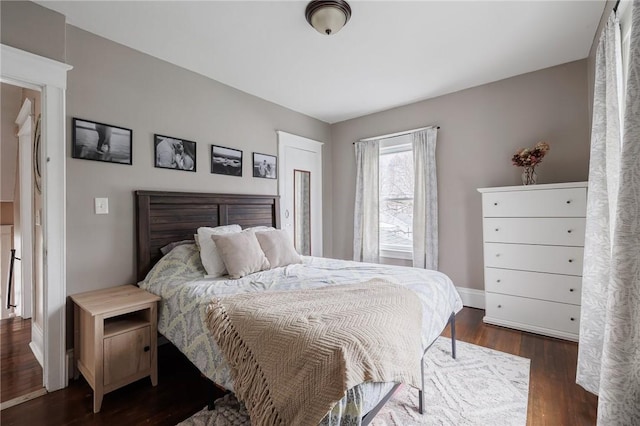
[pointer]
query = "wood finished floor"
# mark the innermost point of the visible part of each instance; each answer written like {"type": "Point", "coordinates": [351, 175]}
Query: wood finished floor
{"type": "Point", "coordinates": [20, 372]}
{"type": "Point", "coordinates": [554, 398]}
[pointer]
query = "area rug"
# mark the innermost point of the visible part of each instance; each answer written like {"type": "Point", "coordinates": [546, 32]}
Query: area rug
{"type": "Point", "coordinates": [480, 387]}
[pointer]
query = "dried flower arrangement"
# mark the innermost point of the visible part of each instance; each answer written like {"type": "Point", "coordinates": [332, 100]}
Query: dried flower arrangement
{"type": "Point", "coordinates": [529, 158]}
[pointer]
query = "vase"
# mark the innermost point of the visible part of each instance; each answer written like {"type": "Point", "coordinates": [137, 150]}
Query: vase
{"type": "Point", "coordinates": [529, 176]}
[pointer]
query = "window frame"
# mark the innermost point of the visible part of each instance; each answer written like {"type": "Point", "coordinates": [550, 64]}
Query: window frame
{"type": "Point", "coordinates": [395, 145]}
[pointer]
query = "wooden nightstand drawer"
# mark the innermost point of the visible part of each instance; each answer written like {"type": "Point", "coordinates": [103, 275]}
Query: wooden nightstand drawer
{"type": "Point", "coordinates": [126, 355]}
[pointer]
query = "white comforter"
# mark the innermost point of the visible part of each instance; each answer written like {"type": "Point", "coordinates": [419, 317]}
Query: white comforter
{"type": "Point", "coordinates": [179, 279]}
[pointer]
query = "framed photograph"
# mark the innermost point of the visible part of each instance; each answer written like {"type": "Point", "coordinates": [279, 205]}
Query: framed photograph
{"type": "Point", "coordinates": [265, 166]}
{"type": "Point", "coordinates": [101, 142]}
{"type": "Point", "coordinates": [173, 153]}
{"type": "Point", "coordinates": [226, 161]}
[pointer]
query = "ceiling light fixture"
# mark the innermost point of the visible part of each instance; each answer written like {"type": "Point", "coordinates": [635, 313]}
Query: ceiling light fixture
{"type": "Point", "coordinates": [328, 16]}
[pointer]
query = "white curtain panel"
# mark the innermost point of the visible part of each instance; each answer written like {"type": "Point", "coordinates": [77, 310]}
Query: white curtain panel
{"type": "Point", "coordinates": [365, 221]}
{"type": "Point", "coordinates": [425, 200]}
{"type": "Point", "coordinates": [609, 348]}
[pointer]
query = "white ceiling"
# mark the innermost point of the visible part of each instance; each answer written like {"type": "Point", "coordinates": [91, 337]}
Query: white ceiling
{"type": "Point", "coordinates": [391, 53]}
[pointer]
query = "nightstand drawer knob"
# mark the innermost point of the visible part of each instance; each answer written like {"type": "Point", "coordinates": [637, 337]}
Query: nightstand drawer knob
{"type": "Point", "coordinates": [147, 348]}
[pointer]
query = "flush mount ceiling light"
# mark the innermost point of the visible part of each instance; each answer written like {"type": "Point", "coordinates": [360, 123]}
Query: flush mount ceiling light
{"type": "Point", "coordinates": [328, 16]}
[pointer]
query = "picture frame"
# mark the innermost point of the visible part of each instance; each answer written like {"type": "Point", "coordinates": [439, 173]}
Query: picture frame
{"type": "Point", "coordinates": [174, 153]}
{"type": "Point", "coordinates": [92, 140]}
{"type": "Point", "coordinates": [226, 161]}
{"type": "Point", "coordinates": [265, 166]}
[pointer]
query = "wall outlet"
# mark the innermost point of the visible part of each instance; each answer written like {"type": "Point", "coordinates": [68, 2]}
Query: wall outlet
{"type": "Point", "coordinates": [102, 205]}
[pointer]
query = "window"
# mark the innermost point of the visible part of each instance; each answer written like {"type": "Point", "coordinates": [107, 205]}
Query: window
{"type": "Point", "coordinates": [396, 197]}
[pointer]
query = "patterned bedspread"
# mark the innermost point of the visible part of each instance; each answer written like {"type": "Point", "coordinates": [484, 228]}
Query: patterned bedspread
{"type": "Point", "coordinates": [179, 279]}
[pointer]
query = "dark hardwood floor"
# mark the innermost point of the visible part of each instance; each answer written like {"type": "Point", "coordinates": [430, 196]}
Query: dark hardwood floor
{"type": "Point", "coordinates": [554, 398]}
{"type": "Point", "coordinates": [20, 372]}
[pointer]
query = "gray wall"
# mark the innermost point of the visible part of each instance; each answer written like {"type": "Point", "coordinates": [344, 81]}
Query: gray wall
{"type": "Point", "coordinates": [31, 27]}
{"type": "Point", "coordinates": [114, 84]}
{"type": "Point", "coordinates": [11, 97]}
{"type": "Point", "coordinates": [481, 129]}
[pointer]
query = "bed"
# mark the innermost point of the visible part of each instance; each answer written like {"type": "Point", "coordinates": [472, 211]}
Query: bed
{"type": "Point", "coordinates": [178, 277]}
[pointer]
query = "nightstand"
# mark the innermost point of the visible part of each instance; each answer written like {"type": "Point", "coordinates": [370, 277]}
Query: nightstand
{"type": "Point", "coordinates": [115, 338]}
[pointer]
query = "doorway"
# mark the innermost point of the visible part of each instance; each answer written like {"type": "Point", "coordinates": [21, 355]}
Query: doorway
{"type": "Point", "coordinates": [300, 190]}
{"type": "Point", "coordinates": [21, 251]}
{"type": "Point", "coordinates": [35, 72]}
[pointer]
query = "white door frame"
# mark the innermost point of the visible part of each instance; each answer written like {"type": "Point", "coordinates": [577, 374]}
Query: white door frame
{"type": "Point", "coordinates": [290, 140]}
{"type": "Point", "coordinates": [27, 70]}
{"type": "Point", "coordinates": [25, 131]}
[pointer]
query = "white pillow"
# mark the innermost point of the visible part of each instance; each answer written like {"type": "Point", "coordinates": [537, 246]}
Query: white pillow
{"type": "Point", "coordinates": [209, 255]}
{"type": "Point", "coordinates": [278, 248]}
{"type": "Point", "coordinates": [260, 228]}
{"type": "Point", "coordinates": [241, 253]}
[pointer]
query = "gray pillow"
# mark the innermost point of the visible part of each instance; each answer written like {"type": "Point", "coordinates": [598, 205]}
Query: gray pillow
{"type": "Point", "coordinates": [241, 253]}
{"type": "Point", "coordinates": [278, 248]}
{"type": "Point", "coordinates": [166, 249]}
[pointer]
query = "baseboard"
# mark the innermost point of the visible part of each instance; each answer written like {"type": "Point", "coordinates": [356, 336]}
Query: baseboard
{"type": "Point", "coordinates": [37, 341]}
{"type": "Point", "coordinates": [471, 297]}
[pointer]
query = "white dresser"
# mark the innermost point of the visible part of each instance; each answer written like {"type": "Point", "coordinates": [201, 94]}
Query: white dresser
{"type": "Point", "coordinates": [533, 249]}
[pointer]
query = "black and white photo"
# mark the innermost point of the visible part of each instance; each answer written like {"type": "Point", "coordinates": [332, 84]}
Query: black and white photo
{"type": "Point", "coordinates": [226, 161]}
{"type": "Point", "coordinates": [173, 153]}
{"type": "Point", "coordinates": [265, 166]}
{"type": "Point", "coordinates": [101, 142]}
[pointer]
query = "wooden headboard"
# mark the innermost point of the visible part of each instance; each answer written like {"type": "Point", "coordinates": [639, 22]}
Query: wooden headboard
{"type": "Point", "coordinates": [165, 217]}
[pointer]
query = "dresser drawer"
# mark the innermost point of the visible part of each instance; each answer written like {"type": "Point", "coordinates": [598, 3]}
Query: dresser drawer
{"type": "Point", "coordinates": [533, 312]}
{"type": "Point", "coordinates": [569, 202]}
{"type": "Point", "coordinates": [536, 285]}
{"type": "Point", "coordinates": [553, 259]}
{"type": "Point", "coordinates": [568, 231]}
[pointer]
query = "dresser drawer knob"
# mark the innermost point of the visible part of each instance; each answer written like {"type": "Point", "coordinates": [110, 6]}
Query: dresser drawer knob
{"type": "Point", "coordinates": [497, 254]}
{"type": "Point", "coordinates": [497, 229]}
{"type": "Point", "coordinates": [499, 306]}
{"type": "Point", "coordinates": [568, 201]}
{"type": "Point", "coordinates": [569, 231]}
{"type": "Point", "coordinates": [571, 290]}
{"type": "Point", "coordinates": [498, 281]}
{"type": "Point", "coordinates": [573, 319]}
{"type": "Point", "coordinates": [570, 260]}
{"type": "Point", "coordinates": [147, 348]}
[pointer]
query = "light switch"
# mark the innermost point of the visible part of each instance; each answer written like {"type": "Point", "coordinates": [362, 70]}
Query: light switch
{"type": "Point", "coordinates": [102, 205]}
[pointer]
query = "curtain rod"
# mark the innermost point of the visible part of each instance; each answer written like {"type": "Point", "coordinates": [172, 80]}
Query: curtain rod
{"type": "Point", "coordinates": [393, 135]}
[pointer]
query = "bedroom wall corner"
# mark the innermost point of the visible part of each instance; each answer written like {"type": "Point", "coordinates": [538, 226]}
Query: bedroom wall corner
{"type": "Point", "coordinates": [481, 128]}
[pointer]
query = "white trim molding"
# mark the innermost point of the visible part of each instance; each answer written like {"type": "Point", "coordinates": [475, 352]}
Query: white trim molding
{"type": "Point", "coordinates": [50, 77]}
{"type": "Point", "coordinates": [471, 297]}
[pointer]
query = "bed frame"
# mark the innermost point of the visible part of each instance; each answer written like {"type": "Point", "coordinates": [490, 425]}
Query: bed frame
{"type": "Point", "coordinates": [166, 217]}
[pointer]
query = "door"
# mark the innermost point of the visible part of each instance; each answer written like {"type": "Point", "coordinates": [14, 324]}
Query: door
{"type": "Point", "coordinates": [300, 190]}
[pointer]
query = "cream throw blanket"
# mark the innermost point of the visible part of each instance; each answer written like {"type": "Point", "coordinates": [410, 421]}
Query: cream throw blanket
{"type": "Point", "coordinates": [293, 354]}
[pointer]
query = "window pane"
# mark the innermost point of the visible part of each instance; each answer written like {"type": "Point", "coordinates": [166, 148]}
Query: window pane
{"type": "Point", "coordinates": [396, 200]}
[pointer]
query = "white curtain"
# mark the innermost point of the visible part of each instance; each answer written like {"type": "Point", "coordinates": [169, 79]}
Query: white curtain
{"type": "Point", "coordinates": [366, 227]}
{"type": "Point", "coordinates": [425, 200]}
{"type": "Point", "coordinates": [609, 348]}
